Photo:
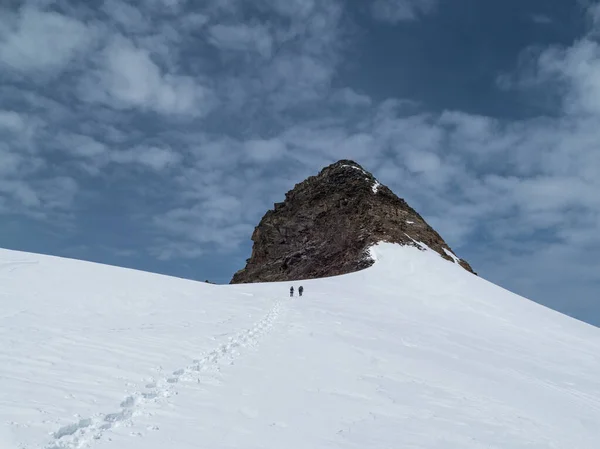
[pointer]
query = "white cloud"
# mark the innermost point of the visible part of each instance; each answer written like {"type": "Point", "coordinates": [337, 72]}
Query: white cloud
{"type": "Point", "coordinates": [541, 19]}
{"type": "Point", "coordinates": [554, 193]}
{"type": "Point", "coordinates": [315, 140]}
{"type": "Point", "coordinates": [423, 162]}
{"type": "Point", "coordinates": [130, 18]}
{"type": "Point", "coordinates": [350, 97]}
{"type": "Point", "coordinates": [18, 134]}
{"type": "Point", "coordinates": [292, 8]}
{"type": "Point", "coordinates": [566, 75]}
{"type": "Point", "coordinates": [81, 145]}
{"type": "Point", "coordinates": [169, 6]}
{"type": "Point", "coordinates": [577, 68]}
{"type": "Point", "coordinates": [21, 192]}
{"type": "Point", "coordinates": [9, 162]}
{"type": "Point", "coordinates": [194, 21]}
{"type": "Point", "coordinates": [394, 11]}
{"type": "Point", "coordinates": [262, 151]}
{"type": "Point", "coordinates": [242, 37]}
{"type": "Point", "coordinates": [58, 192]}
{"type": "Point", "coordinates": [94, 156]}
{"type": "Point", "coordinates": [11, 121]}
{"type": "Point", "coordinates": [216, 221]}
{"type": "Point", "coordinates": [298, 78]}
{"type": "Point", "coordinates": [155, 158]}
{"type": "Point", "coordinates": [593, 13]}
{"type": "Point", "coordinates": [305, 56]}
{"type": "Point", "coordinates": [360, 146]}
{"type": "Point", "coordinates": [40, 198]}
{"type": "Point", "coordinates": [127, 77]}
{"type": "Point", "coordinates": [34, 41]}
{"type": "Point", "coordinates": [15, 164]}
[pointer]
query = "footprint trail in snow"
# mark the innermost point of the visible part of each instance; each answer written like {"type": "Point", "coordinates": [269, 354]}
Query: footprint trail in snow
{"type": "Point", "coordinates": [85, 431]}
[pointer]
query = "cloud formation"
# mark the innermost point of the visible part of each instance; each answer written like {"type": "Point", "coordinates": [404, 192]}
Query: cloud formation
{"type": "Point", "coordinates": [242, 38]}
{"type": "Point", "coordinates": [127, 77]}
{"type": "Point", "coordinates": [394, 11]}
{"type": "Point", "coordinates": [34, 41]}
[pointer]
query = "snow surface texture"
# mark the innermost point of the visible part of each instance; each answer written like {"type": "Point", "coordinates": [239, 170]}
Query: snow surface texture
{"type": "Point", "coordinates": [413, 352]}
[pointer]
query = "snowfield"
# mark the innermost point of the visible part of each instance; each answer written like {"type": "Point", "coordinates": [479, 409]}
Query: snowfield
{"type": "Point", "coordinates": [413, 352]}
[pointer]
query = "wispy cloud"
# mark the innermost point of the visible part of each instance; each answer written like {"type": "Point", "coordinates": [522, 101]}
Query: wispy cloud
{"type": "Point", "coordinates": [394, 11]}
{"type": "Point", "coordinates": [41, 199]}
{"type": "Point", "coordinates": [21, 192]}
{"type": "Point", "coordinates": [127, 77]}
{"type": "Point", "coordinates": [127, 17]}
{"type": "Point", "coordinates": [12, 122]}
{"type": "Point", "coordinates": [35, 42]}
{"type": "Point", "coordinates": [242, 38]}
{"type": "Point", "coordinates": [153, 157]}
{"type": "Point", "coordinates": [541, 19]}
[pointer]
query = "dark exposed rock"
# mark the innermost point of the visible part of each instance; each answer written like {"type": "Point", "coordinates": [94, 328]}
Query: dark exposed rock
{"type": "Point", "coordinates": [326, 224]}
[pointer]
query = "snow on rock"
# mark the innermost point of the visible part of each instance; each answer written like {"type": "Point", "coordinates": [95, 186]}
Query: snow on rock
{"type": "Point", "coordinates": [425, 247]}
{"type": "Point", "coordinates": [356, 168]}
{"type": "Point", "coordinates": [376, 186]}
{"type": "Point", "coordinates": [451, 254]}
{"type": "Point", "coordinates": [372, 253]}
{"type": "Point", "coordinates": [411, 352]}
{"type": "Point", "coordinates": [420, 244]}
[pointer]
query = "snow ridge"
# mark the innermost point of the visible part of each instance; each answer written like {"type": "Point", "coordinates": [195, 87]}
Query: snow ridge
{"type": "Point", "coordinates": [86, 431]}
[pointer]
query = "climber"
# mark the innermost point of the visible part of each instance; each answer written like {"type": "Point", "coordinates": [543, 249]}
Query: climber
{"type": "Point", "coordinates": [291, 291]}
{"type": "Point", "coordinates": [300, 290]}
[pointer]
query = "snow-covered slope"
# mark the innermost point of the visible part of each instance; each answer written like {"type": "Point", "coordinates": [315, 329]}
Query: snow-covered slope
{"type": "Point", "coordinates": [413, 352]}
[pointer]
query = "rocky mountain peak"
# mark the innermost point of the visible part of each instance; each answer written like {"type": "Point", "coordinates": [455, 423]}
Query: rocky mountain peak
{"type": "Point", "coordinates": [327, 223]}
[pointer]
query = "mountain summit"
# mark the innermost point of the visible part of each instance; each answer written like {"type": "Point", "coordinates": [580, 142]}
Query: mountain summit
{"type": "Point", "coordinates": [326, 225]}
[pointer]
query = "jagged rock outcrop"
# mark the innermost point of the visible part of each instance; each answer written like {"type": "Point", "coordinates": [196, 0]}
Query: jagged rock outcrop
{"type": "Point", "coordinates": [326, 224]}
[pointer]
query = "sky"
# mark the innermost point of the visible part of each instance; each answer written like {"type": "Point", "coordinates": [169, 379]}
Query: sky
{"type": "Point", "coordinates": [154, 134]}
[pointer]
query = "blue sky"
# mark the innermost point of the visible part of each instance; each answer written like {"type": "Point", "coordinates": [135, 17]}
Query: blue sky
{"type": "Point", "coordinates": [154, 134]}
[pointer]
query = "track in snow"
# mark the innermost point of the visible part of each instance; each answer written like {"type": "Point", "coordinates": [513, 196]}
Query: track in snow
{"type": "Point", "coordinates": [85, 431]}
{"type": "Point", "coordinates": [13, 265]}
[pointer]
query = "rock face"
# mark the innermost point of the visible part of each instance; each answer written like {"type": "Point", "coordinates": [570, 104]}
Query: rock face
{"type": "Point", "coordinates": [326, 224]}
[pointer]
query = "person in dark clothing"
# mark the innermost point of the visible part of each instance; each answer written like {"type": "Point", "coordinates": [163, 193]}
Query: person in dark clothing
{"type": "Point", "coordinates": [291, 291]}
{"type": "Point", "coordinates": [300, 290]}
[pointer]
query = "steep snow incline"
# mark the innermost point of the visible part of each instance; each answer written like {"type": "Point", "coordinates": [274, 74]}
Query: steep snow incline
{"type": "Point", "coordinates": [412, 352]}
